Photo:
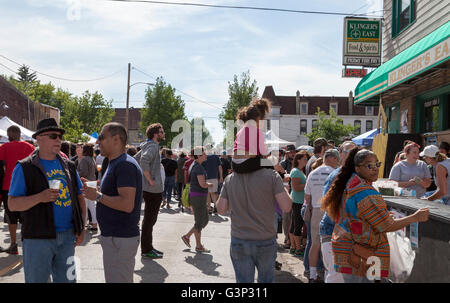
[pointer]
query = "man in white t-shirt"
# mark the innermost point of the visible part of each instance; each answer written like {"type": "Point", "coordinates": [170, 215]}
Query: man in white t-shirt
{"type": "Point", "coordinates": [313, 194]}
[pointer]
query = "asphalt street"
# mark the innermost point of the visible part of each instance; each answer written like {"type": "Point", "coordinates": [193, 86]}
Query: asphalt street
{"type": "Point", "coordinates": [179, 264]}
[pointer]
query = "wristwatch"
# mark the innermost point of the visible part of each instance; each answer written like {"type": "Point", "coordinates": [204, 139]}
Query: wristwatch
{"type": "Point", "coordinates": [99, 196]}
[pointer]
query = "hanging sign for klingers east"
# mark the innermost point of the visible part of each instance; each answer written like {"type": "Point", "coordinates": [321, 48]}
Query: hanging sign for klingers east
{"type": "Point", "coordinates": [362, 42]}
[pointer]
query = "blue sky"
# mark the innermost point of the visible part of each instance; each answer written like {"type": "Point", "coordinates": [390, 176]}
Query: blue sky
{"type": "Point", "coordinates": [196, 50]}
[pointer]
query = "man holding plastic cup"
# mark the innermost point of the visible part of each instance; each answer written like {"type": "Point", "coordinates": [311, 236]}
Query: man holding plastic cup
{"type": "Point", "coordinates": [46, 188]}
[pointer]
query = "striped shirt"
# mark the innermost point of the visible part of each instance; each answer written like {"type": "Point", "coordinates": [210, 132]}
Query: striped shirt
{"type": "Point", "coordinates": [364, 219]}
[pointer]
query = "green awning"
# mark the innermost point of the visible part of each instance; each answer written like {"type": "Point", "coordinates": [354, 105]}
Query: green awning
{"type": "Point", "coordinates": [428, 52]}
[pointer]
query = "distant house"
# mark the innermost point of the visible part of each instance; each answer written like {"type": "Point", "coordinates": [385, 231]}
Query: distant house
{"type": "Point", "coordinates": [135, 136]}
{"type": "Point", "coordinates": [296, 114]}
{"type": "Point", "coordinates": [14, 105]}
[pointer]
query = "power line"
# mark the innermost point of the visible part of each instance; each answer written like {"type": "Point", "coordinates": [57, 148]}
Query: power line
{"type": "Point", "coordinates": [247, 8]}
{"type": "Point", "coordinates": [195, 98]}
{"type": "Point", "coordinates": [64, 79]}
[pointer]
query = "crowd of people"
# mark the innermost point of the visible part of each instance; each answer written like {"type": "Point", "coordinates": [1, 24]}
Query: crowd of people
{"type": "Point", "coordinates": [331, 215]}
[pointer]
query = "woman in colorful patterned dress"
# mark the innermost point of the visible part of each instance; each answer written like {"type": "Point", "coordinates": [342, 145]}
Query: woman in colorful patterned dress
{"type": "Point", "coordinates": [362, 220]}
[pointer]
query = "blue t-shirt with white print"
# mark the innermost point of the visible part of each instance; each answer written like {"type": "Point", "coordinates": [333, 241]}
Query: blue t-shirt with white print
{"type": "Point", "coordinates": [62, 207]}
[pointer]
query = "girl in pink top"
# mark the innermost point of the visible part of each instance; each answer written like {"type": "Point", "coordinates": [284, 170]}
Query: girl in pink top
{"type": "Point", "coordinates": [250, 139]}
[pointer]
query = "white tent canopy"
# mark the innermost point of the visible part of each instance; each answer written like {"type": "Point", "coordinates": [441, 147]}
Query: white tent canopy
{"type": "Point", "coordinates": [272, 140]}
{"type": "Point", "coordinates": [5, 122]}
{"type": "Point", "coordinates": [91, 139]}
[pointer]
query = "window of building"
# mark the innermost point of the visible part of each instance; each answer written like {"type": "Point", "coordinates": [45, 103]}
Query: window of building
{"type": "Point", "coordinates": [431, 115]}
{"type": "Point", "coordinates": [369, 125]}
{"type": "Point", "coordinates": [303, 108]}
{"type": "Point", "coordinates": [303, 126]}
{"type": "Point", "coordinates": [357, 124]}
{"type": "Point", "coordinates": [403, 14]}
{"type": "Point", "coordinates": [314, 123]}
{"type": "Point", "coordinates": [334, 106]}
{"type": "Point", "coordinates": [369, 110]}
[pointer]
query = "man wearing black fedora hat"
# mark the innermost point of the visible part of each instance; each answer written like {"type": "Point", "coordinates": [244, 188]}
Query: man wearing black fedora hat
{"type": "Point", "coordinates": [46, 188]}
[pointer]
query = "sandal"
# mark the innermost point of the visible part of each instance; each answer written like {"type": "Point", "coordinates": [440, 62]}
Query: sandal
{"type": "Point", "coordinates": [186, 241]}
{"type": "Point", "coordinates": [202, 249]}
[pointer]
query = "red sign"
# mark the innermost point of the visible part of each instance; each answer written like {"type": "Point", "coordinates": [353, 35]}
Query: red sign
{"type": "Point", "coordinates": [354, 72]}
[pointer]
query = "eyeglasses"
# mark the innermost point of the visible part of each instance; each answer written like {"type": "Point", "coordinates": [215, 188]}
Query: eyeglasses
{"type": "Point", "coordinates": [53, 136]}
{"type": "Point", "coordinates": [372, 166]}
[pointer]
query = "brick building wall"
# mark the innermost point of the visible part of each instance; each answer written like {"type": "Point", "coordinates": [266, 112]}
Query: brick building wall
{"type": "Point", "coordinates": [17, 107]}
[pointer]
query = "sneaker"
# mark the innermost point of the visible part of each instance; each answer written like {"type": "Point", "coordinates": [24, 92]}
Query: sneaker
{"type": "Point", "coordinates": [152, 255]}
{"type": "Point", "coordinates": [158, 252]}
{"type": "Point", "coordinates": [298, 253]}
{"type": "Point", "coordinates": [12, 250]}
{"type": "Point", "coordinates": [292, 251]}
{"type": "Point", "coordinates": [215, 210]}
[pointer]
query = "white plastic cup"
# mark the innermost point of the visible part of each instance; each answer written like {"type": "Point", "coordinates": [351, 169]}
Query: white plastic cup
{"type": "Point", "coordinates": [54, 184]}
{"type": "Point", "coordinates": [92, 184]}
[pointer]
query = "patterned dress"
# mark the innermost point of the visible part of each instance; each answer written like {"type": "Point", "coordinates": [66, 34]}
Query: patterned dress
{"type": "Point", "coordinates": [364, 219]}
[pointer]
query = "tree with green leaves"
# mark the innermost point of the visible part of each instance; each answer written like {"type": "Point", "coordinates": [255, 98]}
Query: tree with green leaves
{"type": "Point", "coordinates": [87, 113]}
{"type": "Point", "coordinates": [25, 75]}
{"type": "Point", "coordinates": [43, 93]}
{"type": "Point", "coordinates": [330, 127]}
{"type": "Point", "coordinates": [206, 136]}
{"type": "Point", "coordinates": [162, 106]}
{"type": "Point", "coordinates": [241, 92]}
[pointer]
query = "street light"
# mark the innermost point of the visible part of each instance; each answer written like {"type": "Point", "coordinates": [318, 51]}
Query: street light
{"type": "Point", "coordinates": [128, 95]}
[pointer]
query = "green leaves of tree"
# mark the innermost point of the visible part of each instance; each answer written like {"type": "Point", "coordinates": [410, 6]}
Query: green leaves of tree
{"type": "Point", "coordinates": [240, 94]}
{"type": "Point", "coordinates": [162, 106]}
{"type": "Point", "coordinates": [331, 128]}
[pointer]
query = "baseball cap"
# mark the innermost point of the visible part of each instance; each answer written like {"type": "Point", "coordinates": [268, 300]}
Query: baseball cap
{"type": "Point", "coordinates": [430, 151]}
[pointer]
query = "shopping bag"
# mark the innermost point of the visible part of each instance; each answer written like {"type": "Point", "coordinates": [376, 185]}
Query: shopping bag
{"type": "Point", "coordinates": [185, 197]}
{"type": "Point", "coordinates": [402, 257]}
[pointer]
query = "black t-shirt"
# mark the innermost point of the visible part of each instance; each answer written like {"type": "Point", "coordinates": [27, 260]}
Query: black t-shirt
{"type": "Point", "coordinates": [170, 166]}
{"type": "Point", "coordinates": [225, 166]}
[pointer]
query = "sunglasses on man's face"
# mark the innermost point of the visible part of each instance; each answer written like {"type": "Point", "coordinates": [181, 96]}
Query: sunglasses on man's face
{"type": "Point", "coordinates": [372, 166]}
{"type": "Point", "coordinates": [54, 136]}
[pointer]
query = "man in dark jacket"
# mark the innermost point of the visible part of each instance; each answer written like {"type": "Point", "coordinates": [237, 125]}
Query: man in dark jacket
{"type": "Point", "coordinates": [46, 188]}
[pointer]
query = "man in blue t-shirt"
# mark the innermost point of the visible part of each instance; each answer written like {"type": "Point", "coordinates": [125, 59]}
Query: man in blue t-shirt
{"type": "Point", "coordinates": [46, 188]}
{"type": "Point", "coordinates": [119, 205]}
{"type": "Point", "coordinates": [214, 175]}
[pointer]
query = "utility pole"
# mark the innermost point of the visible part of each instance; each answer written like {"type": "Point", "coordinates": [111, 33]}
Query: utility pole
{"type": "Point", "coordinates": [128, 97]}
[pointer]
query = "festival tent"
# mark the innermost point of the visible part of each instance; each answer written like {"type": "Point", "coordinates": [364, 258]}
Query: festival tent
{"type": "Point", "coordinates": [272, 140]}
{"type": "Point", "coordinates": [91, 138]}
{"type": "Point", "coordinates": [5, 122]}
{"type": "Point", "coordinates": [365, 139]}
{"type": "Point", "coordinates": [308, 148]}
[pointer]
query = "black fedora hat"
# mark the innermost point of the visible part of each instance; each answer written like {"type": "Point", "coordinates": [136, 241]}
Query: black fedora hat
{"type": "Point", "coordinates": [47, 125]}
{"type": "Point", "coordinates": [290, 147]}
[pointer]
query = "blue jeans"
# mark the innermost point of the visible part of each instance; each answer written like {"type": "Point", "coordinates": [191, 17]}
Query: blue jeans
{"type": "Point", "coordinates": [45, 257]}
{"type": "Point", "coordinates": [247, 255]}
{"type": "Point", "coordinates": [308, 247]}
{"type": "Point", "coordinates": [169, 183]}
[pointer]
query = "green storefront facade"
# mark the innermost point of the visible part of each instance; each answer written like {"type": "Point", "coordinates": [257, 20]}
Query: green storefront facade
{"type": "Point", "coordinates": [415, 83]}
